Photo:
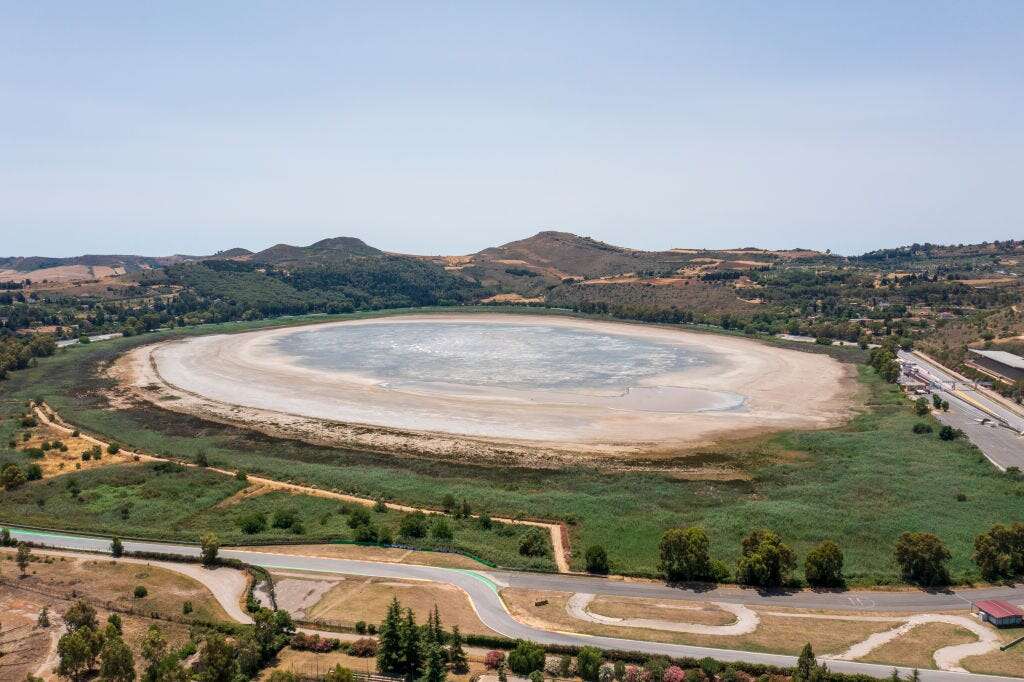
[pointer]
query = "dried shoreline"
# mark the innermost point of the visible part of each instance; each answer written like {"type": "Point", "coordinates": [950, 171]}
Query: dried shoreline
{"type": "Point", "coordinates": [233, 379]}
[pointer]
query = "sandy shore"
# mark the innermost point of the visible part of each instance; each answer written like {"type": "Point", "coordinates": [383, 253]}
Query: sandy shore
{"type": "Point", "coordinates": [238, 379]}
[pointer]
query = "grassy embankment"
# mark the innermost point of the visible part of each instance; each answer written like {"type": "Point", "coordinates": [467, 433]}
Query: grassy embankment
{"type": "Point", "coordinates": [861, 484]}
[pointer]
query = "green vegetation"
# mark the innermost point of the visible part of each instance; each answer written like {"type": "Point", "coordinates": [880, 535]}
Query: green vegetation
{"type": "Point", "coordinates": [864, 482]}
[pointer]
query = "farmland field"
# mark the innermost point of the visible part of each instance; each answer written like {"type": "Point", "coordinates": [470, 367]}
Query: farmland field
{"type": "Point", "coordinates": [861, 484]}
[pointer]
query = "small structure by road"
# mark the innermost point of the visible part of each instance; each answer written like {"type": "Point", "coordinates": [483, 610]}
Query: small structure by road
{"type": "Point", "coordinates": [1000, 613]}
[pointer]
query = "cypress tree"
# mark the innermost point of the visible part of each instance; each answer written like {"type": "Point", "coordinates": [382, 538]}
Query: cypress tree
{"type": "Point", "coordinates": [412, 647]}
{"type": "Point", "coordinates": [456, 654]}
{"type": "Point", "coordinates": [389, 651]}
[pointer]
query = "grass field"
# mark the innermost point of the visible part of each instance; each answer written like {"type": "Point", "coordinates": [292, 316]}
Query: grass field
{"type": "Point", "coordinates": [861, 484]}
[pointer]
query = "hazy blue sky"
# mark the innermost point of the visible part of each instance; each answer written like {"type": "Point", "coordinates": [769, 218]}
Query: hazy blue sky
{"type": "Point", "coordinates": [446, 127]}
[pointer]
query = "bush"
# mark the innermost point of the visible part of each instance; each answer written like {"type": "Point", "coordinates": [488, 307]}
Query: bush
{"type": "Point", "coordinates": [588, 663]}
{"type": "Point", "coordinates": [366, 534]}
{"type": "Point", "coordinates": [673, 674]}
{"type": "Point", "coordinates": [526, 657]}
{"type": "Point", "coordinates": [33, 472]}
{"type": "Point", "coordinates": [533, 543]}
{"type": "Point", "coordinates": [949, 433]}
{"type": "Point", "coordinates": [252, 523]}
{"type": "Point", "coordinates": [284, 518]}
{"type": "Point", "coordinates": [823, 566]}
{"type": "Point", "coordinates": [597, 560]}
{"type": "Point", "coordinates": [186, 608]}
{"type": "Point", "coordinates": [921, 407]}
{"type": "Point", "coordinates": [441, 530]}
{"type": "Point", "coordinates": [413, 525]}
{"type": "Point", "coordinates": [922, 559]}
{"type": "Point", "coordinates": [113, 448]}
{"type": "Point", "coordinates": [493, 659]}
{"type": "Point", "coordinates": [140, 591]}
{"type": "Point", "coordinates": [363, 648]}
{"type": "Point", "coordinates": [358, 517]}
{"type": "Point", "coordinates": [921, 427]}
{"type": "Point", "coordinates": [361, 627]}
{"type": "Point", "coordinates": [303, 642]}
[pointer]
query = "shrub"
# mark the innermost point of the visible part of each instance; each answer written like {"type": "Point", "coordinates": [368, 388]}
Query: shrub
{"type": "Point", "coordinates": [441, 530]}
{"type": "Point", "coordinates": [252, 523]}
{"type": "Point", "coordinates": [485, 522]}
{"type": "Point", "coordinates": [413, 525]}
{"type": "Point", "coordinates": [493, 659]}
{"type": "Point", "coordinates": [363, 647]}
{"type": "Point", "coordinates": [921, 427]}
{"type": "Point", "coordinates": [823, 566]}
{"type": "Point", "coordinates": [674, 674]}
{"type": "Point", "coordinates": [113, 448]}
{"type": "Point", "coordinates": [358, 517]}
{"type": "Point", "coordinates": [597, 560]}
{"type": "Point", "coordinates": [366, 534]}
{"type": "Point", "coordinates": [921, 407]}
{"type": "Point", "coordinates": [140, 591]}
{"type": "Point", "coordinates": [380, 506]}
{"type": "Point", "coordinates": [588, 662]}
{"type": "Point", "coordinates": [303, 642]}
{"type": "Point", "coordinates": [241, 476]}
{"type": "Point", "coordinates": [526, 657]}
{"type": "Point", "coordinates": [284, 518]}
{"type": "Point", "coordinates": [922, 559]}
{"type": "Point", "coordinates": [186, 608]}
{"type": "Point", "coordinates": [33, 472]}
{"type": "Point", "coordinates": [361, 627]}
{"type": "Point", "coordinates": [949, 433]}
{"type": "Point", "coordinates": [533, 543]}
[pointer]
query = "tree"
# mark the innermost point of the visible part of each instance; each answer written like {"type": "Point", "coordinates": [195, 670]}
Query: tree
{"type": "Point", "coordinates": [75, 654]}
{"type": "Point", "coordinates": [81, 615]}
{"type": "Point", "coordinates": [526, 657]}
{"type": "Point", "coordinates": [823, 566]}
{"type": "Point", "coordinates": [23, 557]}
{"type": "Point", "coordinates": [588, 663]}
{"type": "Point", "coordinates": [153, 648]}
{"type": "Point", "coordinates": [806, 664]}
{"type": "Point", "coordinates": [413, 525]}
{"type": "Point", "coordinates": [412, 653]}
{"type": "Point", "coordinates": [12, 476]}
{"type": "Point", "coordinates": [209, 546]}
{"type": "Point", "coordinates": [116, 548]}
{"type": "Point", "coordinates": [389, 652]}
{"type": "Point", "coordinates": [597, 560]}
{"type": "Point", "coordinates": [456, 654]}
{"type": "Point", "coordinates": [765, 561]}
{"type": "Point", "coordinates": [533, 543]}
{"type": "Point", "coordinates": [441, 530]}
{"type": "Point", "coordinates": [921, 407]}
{"type": "Point", "coordinates": [5, 537]}
{"type": "Point", "coordinates": [685, 555]}
{"type": "Point", "coordinates": [116, 663]}
{"type": "Point", "coordinates": [999, 552]}
{"type": "Point", "coordinates": [216, 662]}
{"type": "Point", "coordinates": [922, 559]}
{"type": "Point", "coordinates": [434, 666]}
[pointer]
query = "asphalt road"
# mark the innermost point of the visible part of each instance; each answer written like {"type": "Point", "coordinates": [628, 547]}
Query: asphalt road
{"type": "Point", "coordinates": [483, 587]}
{"type": "Point", "coordinates": [1000, 439]}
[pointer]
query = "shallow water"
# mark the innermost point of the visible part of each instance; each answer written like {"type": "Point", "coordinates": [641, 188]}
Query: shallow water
{"type": "Point", "coordinates": [516, 362]}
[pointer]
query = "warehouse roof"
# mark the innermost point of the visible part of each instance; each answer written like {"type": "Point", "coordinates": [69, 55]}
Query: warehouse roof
{"type": "Point", "coordinates": [998, 609]}
{"type": "Point", "coordinates": [1001, 356]}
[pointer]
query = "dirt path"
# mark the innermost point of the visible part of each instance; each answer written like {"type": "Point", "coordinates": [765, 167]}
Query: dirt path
{"type": "Point", "coordinates": [746, 620]}
{"type": "Point", "coordinates": [559, 535]}
{"type": "Point", "coordinates": [946, 658]}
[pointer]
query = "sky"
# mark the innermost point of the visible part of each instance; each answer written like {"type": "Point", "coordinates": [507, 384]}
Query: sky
{"type": "Point", "coordinates": [190, 127]}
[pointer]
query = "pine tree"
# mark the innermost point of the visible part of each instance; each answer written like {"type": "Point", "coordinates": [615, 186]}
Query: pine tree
{"type": "Point", "coordinates": [435, 664]}
{"type": "Point", "coordinates": [412, 647]}
{"type": "Point", "coordinates": [456, 654]}
{"type": "Point", "coordinates": [389, 651]}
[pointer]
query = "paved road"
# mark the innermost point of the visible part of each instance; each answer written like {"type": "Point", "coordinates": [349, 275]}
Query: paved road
{"type": "Point", "coordinates": [482, 588]}
{"type": "Point", "coordinates": [1000, 439]}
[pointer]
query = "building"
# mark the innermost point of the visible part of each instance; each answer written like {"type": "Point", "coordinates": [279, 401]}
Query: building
{"type": "Point", "coordinates": [1006, 365]}
{"type": "Point", "coordinates": [999, 613]}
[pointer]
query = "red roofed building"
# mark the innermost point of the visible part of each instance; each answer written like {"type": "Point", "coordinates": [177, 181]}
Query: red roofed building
{"type": "Point", "coordinates": [999, 613]}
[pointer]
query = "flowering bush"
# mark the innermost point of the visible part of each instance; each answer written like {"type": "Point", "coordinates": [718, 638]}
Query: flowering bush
{"type": "Point", "coordinates": [304, 642]}
{"type": "Point", "coordinates": [363, 648]}
{"type": "Point", "coordinates": [633, 674]}
{"type": "Point", "coordinates": [606, 673]}
{"type": "Point", "coordinates": [493, 659]}
{"type": "Point", "coordinates": [674, 674]}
